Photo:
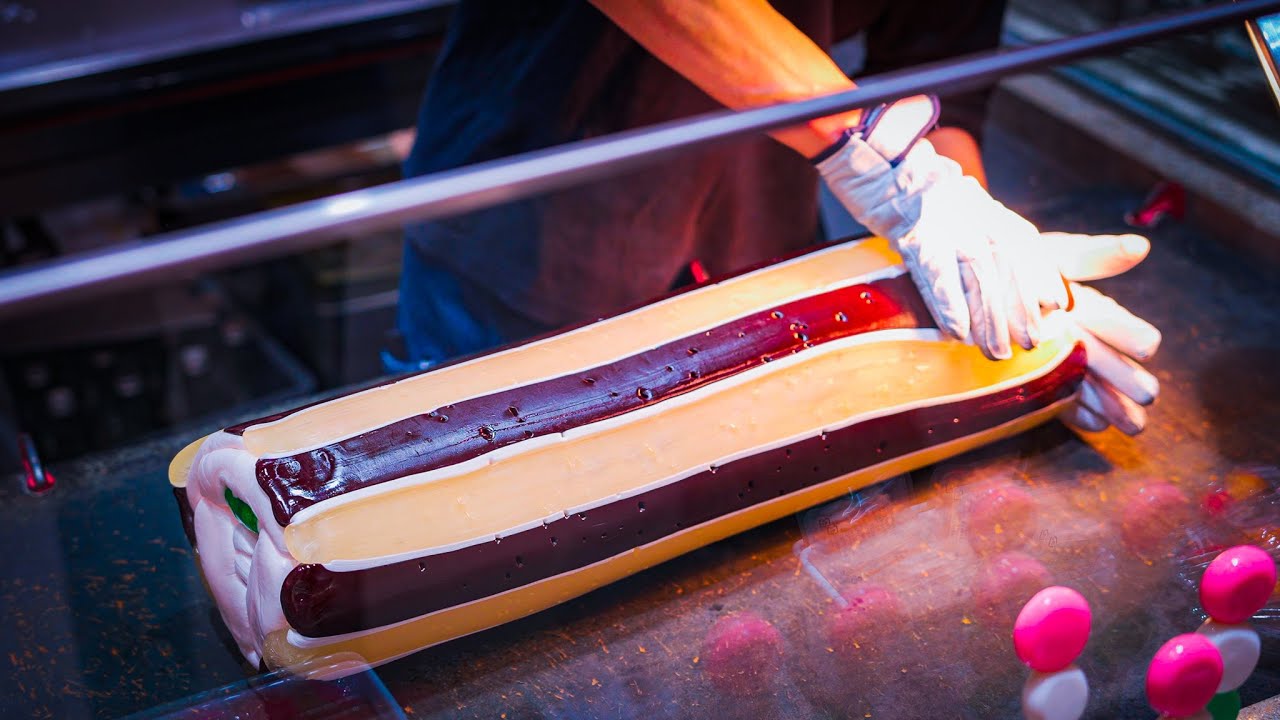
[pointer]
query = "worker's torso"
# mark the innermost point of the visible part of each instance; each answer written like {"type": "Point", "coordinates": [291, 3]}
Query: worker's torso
{"type": "Point", "coordinates": [519, 76]}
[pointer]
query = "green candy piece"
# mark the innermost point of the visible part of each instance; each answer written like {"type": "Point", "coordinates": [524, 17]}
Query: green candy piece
{"type": "Point", "coordinates": [242, 511]}
{"type": "Point", "coordinates": [1225, 706]}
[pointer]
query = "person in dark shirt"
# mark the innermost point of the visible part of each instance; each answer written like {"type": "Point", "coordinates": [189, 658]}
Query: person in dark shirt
{"type": "Point", "coordinates": [518, 76]}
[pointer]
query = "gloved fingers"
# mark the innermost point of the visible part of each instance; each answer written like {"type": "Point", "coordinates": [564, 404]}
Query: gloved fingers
{"type": "Point", "coordinates": [1083, 419]}
{"type": "Point", "coordinates": [988, 313]}
{"type": "Point", "coordinates": [1098, 397]}
{"type": "Point", "coordinates": [1037, 270]}
{"type": "Point", "coordinates": [1121, 373]}
{"type": "Point", "coordinates": [1051, 287]}
{"type": "Point", "coordinates": [1111, 323]}
{"type": "Point", "coordinates": [937, 277]}
{"type": "Point", "coordinates": [1091, 257]}
{"type": "Point", "coordinates": [1023, 300]}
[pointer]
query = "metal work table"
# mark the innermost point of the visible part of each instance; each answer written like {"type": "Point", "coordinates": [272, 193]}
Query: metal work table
{"type": "Point", "coordinates": [107, 615]}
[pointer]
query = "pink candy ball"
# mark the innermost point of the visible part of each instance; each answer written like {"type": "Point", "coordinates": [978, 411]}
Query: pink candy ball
{"type": "Point", "coordinates": [1001, 515]}
{"type": "Point", "coordinates": [1052, 629]}
{"type": "Point", "coordinates": [1184, 675]}
{"type": "Point", "coordinates": [1002, 584]}
{"type": "Point", "coordinates": [872, 616]}
{"type": "Point", "coordinates": [1150, 517]}
{"type": "Point", "coordinates": [742, 653]}
{"type": "Point", "coordinates": [870, 608]}
{"type": "Point", "coordinates": [1237, 584]}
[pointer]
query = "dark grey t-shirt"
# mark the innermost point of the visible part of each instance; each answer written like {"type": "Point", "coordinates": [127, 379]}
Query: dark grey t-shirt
{"type": "Point", "coordinates": [517, 75]}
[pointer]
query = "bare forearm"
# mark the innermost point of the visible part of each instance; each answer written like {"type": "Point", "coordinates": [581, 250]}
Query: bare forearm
{"type": "Point", "coordinates": [740, 52]}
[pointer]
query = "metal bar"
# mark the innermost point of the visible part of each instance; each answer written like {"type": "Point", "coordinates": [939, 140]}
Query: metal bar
{"type": "Point", "coordinates": [309, 224]}
{"type": "Point", "coordinates": [257, 22]}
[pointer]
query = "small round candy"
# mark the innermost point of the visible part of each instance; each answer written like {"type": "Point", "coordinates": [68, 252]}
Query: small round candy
{"type": "Point", "coordinates": [1240, 647]}
{"type": "Point", "coordinates": [1056, 696]}
{"type": "Point", "coordinates": [1184, 675]}
{"type": "Point", "coordinates": [1052, 629]}
{"type": "Point", "coordinates": [742, 653]}
{"type": "Point", "coordinates": [999, 516]}
{"type": "Point", "coordinates": [1237, 584]}
{"type": "Point", "coordinates": [1003, 584]}
{"type": "Point", "coordinates": [1153, 512]}
{"type": "Point", "coordinates": [1216, 502]}
{"type": "Point", "coordinates": [1225, 706]}
{"type": "Point", "coordinates": [872, 613]}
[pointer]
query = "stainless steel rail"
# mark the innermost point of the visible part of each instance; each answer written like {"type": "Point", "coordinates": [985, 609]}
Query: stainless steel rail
{"type": "Point", "coordinates": [308, 224]}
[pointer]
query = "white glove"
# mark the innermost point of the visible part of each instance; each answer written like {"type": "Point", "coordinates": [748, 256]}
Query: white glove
{"type": "Point", "coordinates": [973, 259]}
{"type": "Point", "coordinates": [1115, 386]}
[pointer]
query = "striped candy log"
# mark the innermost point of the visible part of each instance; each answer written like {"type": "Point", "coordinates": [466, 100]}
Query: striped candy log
{"type": "Point", "coordinates": [402, 516]}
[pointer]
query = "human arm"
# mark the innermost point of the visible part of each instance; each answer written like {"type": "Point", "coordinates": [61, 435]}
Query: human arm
{"type": "Point", "coordinates": [976, 263]}
{"type": "Point", "coordinates": [965, 251]}
{"type": "Point", "coordinates": [742, 53]}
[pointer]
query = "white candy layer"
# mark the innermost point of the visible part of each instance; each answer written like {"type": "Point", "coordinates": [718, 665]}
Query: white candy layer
{"type": "Point", "coordinates": [244, 571]}
{"type": "Point", "coordinates": [1240, 647]}
{"type": "Point", "coordinates": [1055, 696]}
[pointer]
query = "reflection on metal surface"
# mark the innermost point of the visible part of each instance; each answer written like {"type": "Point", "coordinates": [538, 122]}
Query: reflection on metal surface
{"type": "Point", "coordinates": [36, 479]}
{"type": "Point", "coordinates": [302, 691]}
{"type": "Point", "coordinates": [1167, 199]}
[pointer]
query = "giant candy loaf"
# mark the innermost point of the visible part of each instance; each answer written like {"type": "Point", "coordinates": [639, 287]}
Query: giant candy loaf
{"type": "Point", "coordinates": [418, 511]}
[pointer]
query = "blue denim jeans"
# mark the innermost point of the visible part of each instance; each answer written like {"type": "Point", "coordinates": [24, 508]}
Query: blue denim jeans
{"type": "Point", "coordinates": [442, 316]}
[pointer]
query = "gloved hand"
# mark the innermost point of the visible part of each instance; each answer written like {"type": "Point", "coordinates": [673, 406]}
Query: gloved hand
{"type": "Point", "coordinates": [1115, 386]}
{"type": "Point", "coordinates": [973, 259]}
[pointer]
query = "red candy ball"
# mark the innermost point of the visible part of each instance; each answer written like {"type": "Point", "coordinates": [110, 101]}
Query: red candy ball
{"type": "Point", "coordinates": [872, 613]}
{"type": "Point", "coordinates": [742, 653]}
{"type": "Point", "coordinates": [1052, 629]}
{"type": "Point", "coordinates": [1150, 517]}
{"type": "Point", "coordinates": [999, 516]}
{"type": "Point", "coordinates": [1005, 582]}
{"type": "Point", "coordinates": [1184, 675]}
{"type": "Point", "coordinates": [1216, 502]}
{"type": "Point", "coordinates": [1237, 584]}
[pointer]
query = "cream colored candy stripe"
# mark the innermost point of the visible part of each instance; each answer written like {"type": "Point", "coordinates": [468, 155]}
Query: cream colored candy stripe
{"type": "Point", "coordinates": [769, 406]}
{"type": "Point", "coordinates": [586, 347]}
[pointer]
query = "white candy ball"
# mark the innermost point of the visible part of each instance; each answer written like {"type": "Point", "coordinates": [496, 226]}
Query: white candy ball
{"type": "Point", "coordinates": [1240, 647]}
{"type": "Point", "coordinates": [1055, 696]}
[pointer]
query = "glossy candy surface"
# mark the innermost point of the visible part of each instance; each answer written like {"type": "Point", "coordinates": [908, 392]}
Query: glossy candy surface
{"type": "Point", "coordinates": [1237, 584]}
{"type": "Point", "coordinates": [1004, 583]}
{"type": "Point", "coordinates": [1052, 629]}
{"type": "Point", "coordinates": [1240, 647]}
{"type": "Point", "coordinates": [404, 516]}
{"type": "Point", "coordinates": [1184, 675]}
{"type": "Point", "coordinates": [1055, 696]}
